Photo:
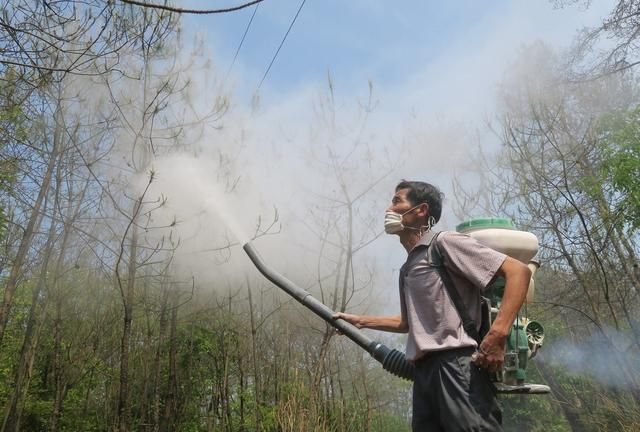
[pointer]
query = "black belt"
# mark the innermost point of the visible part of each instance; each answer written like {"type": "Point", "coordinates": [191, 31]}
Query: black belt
{"type": "Point", "coordinates": [461, 351]}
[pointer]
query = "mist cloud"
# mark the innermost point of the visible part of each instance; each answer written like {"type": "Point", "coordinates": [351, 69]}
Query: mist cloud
{"type": "Point", "coordinates": [609, 358]}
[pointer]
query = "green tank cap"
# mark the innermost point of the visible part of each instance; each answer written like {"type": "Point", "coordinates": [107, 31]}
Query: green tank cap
{"type": "Point", "coordinates": [485, 223]}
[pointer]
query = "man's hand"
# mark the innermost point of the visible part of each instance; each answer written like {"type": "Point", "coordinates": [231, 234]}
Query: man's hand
{"type": "Point", "coordinates": [490, 355]}
{"type": "Point", "coordinates": [350, 318]}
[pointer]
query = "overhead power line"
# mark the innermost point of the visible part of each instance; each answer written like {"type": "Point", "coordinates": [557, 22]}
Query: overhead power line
{"type": "Point", "coordinates": [246, 30]}
{"type": "Point", "coordinates": [281, 43]}
{"type": "Point", "coordinates": [190, 11]}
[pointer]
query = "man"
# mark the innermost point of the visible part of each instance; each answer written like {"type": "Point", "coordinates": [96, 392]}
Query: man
{"type": "Point", "coordinates": [452, 390]}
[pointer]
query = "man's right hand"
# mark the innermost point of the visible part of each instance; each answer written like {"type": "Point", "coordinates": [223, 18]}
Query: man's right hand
{"type": "Point", "coordinates": [350, 318]}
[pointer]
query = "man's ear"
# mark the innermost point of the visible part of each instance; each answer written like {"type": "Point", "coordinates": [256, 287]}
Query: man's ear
{"type": "Point", "coordinates": [424, 208]}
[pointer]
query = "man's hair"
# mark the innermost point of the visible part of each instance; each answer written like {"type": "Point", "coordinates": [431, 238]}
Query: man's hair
{"type": "Point", "coordinates": [421, 192]}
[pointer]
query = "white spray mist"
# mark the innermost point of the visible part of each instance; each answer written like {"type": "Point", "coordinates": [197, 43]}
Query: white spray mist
{"type": "Point", "coordinates": [202, 208]}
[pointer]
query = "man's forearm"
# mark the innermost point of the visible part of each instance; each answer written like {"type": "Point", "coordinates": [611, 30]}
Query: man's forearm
{"type": "Point", "coordinates": [517, 276]}
{"type": "Point", "coordinates": [491, 350]}
{"type": "Point", "coordinates": [384, 323]}
{"type": "Point", "coordinates": [392, 324]}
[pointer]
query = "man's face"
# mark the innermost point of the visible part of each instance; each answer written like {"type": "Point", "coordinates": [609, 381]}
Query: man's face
{"type": "Point", "coordinates": [400, 204]}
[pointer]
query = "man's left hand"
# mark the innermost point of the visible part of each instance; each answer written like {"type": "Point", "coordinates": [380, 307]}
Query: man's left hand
{"type": "Point", "coordinates": [490, 355]}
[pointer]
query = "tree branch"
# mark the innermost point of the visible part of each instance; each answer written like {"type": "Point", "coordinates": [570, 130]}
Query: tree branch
{"type": "Point", "coordinates": [190, 11]}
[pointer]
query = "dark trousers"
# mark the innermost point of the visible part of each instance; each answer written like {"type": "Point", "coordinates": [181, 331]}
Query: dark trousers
{"type": "Point", "coordinates": [450, 394]}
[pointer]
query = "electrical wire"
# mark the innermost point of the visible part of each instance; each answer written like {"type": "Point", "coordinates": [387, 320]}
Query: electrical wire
{"type": "Point", "coordinates": [281, 43]}
{"type": "Point", "coordinates": [246, 30]}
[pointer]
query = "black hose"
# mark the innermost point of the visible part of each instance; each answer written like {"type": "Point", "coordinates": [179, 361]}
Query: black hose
{"type": "Point", "coordinates": [392, 360]}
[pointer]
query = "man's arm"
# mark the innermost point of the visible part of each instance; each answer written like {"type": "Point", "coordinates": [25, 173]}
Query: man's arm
{"type": "Point", "coordinates": [517, 277]}
{"type": "Point", "coordinates": [393, 324]}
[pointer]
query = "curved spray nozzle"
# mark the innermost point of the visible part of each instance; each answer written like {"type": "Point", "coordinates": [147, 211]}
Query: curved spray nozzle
{"type": "Point", "coordinates": [392, 360]}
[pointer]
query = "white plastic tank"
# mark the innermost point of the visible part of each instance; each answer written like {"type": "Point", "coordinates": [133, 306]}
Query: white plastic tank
{"type": "Point", "coordinates": [500, 234]}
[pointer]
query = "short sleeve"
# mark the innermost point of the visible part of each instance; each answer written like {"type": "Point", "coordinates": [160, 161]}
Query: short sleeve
{"type": "Point", "coordinates": [467, 257]}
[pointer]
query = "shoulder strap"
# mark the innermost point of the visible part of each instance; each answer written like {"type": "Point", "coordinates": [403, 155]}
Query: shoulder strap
{"type": "Point", "coordinates": [467, 323]}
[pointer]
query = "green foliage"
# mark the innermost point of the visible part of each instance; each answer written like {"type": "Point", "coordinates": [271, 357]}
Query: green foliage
{"type": "Point", "coordinates": [522, 413]}
{"type": "Point", "coordinates": [620, 134]}
{"type": "Point", "coordinates": [385, 421]}
{"type": "Point", "coordinates": [36, 414]}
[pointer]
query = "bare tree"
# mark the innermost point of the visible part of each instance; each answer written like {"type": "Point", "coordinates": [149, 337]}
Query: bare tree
{"type": "Point", "coordinates": [51, 155]}
{"type": "Point", "coordinates": [608, 48]}
{"type": "Point", "coordinates": [46, 41]}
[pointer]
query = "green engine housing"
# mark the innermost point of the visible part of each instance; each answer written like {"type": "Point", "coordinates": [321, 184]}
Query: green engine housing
{"type": "Point", "coordinates": [517, 354]}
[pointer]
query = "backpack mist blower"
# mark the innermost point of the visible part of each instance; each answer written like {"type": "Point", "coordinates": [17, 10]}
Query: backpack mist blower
{"type": "Point", "coordinates": [522, 343]}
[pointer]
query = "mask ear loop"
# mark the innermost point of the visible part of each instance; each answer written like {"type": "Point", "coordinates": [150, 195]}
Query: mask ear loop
{"type": "Point", "coordinates": [431, 221]}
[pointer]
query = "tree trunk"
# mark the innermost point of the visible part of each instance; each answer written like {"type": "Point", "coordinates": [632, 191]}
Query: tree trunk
{"type": "Point", "coordinates": [170, 403]}
{"type": "Point", "coordinates": [127, 303]}
{"type": "Point", "coordinates": [157, 363]}
{"type": "Point", "coordinates": [32, 226]}
{"type": "Point", "coordinates": [14, 407]}
{"type": "Point", "coordinates": [58, 372]}
{"type": "Point", "coordinates": [254, 354]}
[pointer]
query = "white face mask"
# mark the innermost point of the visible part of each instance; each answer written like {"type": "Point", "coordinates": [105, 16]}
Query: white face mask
{"type": "Point", "coordinates": [393, 221]}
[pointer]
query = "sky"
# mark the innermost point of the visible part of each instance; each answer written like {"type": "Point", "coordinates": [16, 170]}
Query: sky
{"type": "Point", "coordinates": [431, 63]}
{"type": "Point", "coordinates": [435, 69]}
{"type": "Point", "coordinates": [456, 44]}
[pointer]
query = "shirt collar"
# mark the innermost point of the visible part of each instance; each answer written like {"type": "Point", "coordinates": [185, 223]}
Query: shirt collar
{"type": "Point", "coordinates": [425, 240]}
